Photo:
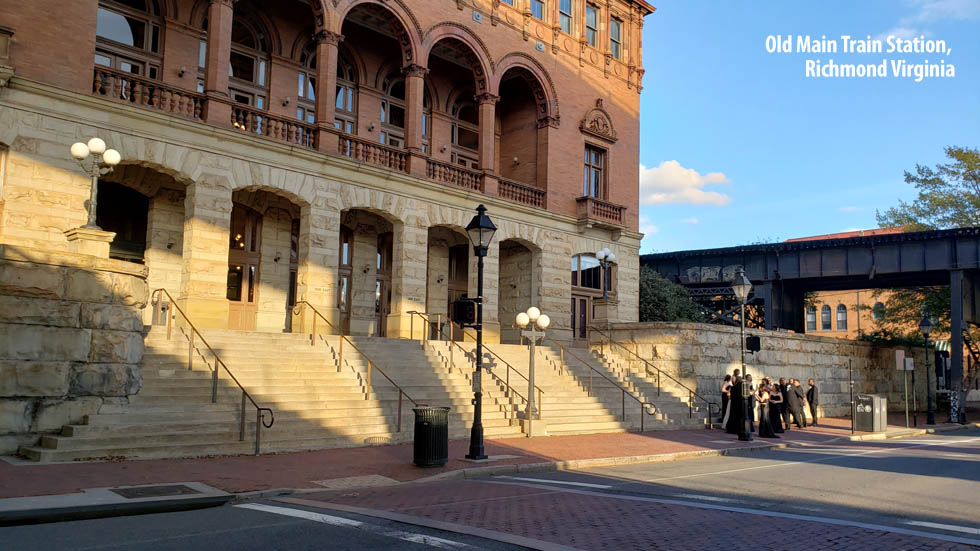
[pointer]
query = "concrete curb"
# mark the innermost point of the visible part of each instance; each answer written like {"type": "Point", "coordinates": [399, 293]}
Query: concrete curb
{"type": "Point", "coordinates": [906, 433]}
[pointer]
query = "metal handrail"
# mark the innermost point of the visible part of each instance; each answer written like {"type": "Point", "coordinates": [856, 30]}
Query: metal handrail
{"type": "Point", "coordinates": [372, 365]}
{"type": "Point", "coordinates": [645, 407]}
{"type": "Point", "coordinates": [691, 393]}
{"type": "Point", "coordinates": [506, 382]}
{"type": "Point", "coordinates": [157, 301]}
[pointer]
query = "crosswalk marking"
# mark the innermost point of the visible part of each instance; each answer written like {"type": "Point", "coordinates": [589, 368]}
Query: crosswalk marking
{"type": "Point", "coordinates": [548, 481]}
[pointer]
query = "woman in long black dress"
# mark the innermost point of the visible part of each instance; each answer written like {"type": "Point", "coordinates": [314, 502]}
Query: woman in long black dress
{"type": "Point", "coordinates": [726, 387]}
{"type": "Point", "coordinates": [765, 425]}
{"type": "Point", "coordinates": [734, 416]}
{"type": "Point", "coordinates": [776, 409]}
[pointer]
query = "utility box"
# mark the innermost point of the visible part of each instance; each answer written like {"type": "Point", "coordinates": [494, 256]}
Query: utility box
{"type": "Point", "coordinates": [871, 413]}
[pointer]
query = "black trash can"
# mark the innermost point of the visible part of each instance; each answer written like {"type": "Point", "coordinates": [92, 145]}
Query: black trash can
{"type": "Point", "coordinates": [431, 436]}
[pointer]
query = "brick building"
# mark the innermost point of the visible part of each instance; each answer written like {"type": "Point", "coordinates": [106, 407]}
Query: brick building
{"type": "Point", "coordinates": [244, 188]}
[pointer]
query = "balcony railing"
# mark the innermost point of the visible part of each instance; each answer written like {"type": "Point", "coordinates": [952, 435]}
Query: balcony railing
{"type": "Point", "coordinates": [592, 210]}
{"type": "Point", "coordinates": [521, 193]}
{"type": "Point", "coordinates": [129, 88]}
{"type": "Point", "coordinates": [372, 153]}
{"type": "Point", "coordinates": [281, 129]}
{"type": "Point", "coordinates": [454, 175]}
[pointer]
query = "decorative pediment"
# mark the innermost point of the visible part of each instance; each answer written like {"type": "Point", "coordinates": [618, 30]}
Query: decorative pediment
{"type": "Point", "coordinates": [598, 123]}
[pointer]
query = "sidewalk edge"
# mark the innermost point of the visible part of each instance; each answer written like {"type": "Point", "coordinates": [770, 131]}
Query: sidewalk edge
{"type": "Point", "coordinates": [104, 510]}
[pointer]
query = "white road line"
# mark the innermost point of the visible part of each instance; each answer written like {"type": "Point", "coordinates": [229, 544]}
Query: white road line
{"type": "Point", "coordinates": [547, 481]}
{"type": "Point", "coordinates": [709, 498]}
{"type": "Point", "coordinates": [793, 463]}
{"type": "Point", "coordinates": [952, 527]}
{"type": "Point", "coordinates": [764, 513]}
{"type": "Point", "coordinates": [959, 455]}
{"type": "Point", "coordinates": [412, 537]}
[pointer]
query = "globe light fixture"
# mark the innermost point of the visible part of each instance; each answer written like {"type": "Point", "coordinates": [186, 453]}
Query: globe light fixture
{"type": "Point", "coordinates": [606, 259]}
{"type": "Point", "coordinates": [524, 321]}
{"type": "Point", "coordinates": [96, 161]}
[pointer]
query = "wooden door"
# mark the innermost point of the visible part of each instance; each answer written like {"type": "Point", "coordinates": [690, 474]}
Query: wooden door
{"type": "Point", "coordinates": [243, 268]}
{"type": "Point", "coordinates": [344, 278]}
{"type": "Point", "coordinates": [581, 317]}
{"type": "Point", "coordinates": [382, 284]}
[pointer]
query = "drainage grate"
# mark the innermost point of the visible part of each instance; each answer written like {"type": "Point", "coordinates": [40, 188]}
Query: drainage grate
{"type": "Point", "coordinates": [155, 491]}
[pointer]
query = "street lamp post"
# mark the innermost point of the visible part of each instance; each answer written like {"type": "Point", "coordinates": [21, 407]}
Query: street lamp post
{"type": "Point", "coordinates": [925, 326]}
{"type": "Point", "coordinates": [605, 258]}
{"type": "Point", "coordinates": [741, 287]}
{"type": "Point", "coordinates": [481, 230]}
{"type": "Point", "coordinates": [96, 161]}
{"type": "Point", "coordinates": [533, 315]}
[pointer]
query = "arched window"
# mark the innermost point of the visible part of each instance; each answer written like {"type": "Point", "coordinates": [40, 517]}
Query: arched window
{"type": "Point", "coordinates": [587, 273]}
{"type": "Point", "coordinates": [878, 311]}
{"type": "Point", "coordinates": [248, 66]}
{"type": "Point", "coordinates": [393, 110]}
{"type": "Point", "coordinates": [825, 318]}
{"type": "Point", "coordinates": [841, 317]}
{"type": "Point", "coordinates": [466, 133]}
{"type": "Point", "coordinates": [345, 109]}
{"type": "Point", "coordinates": [129, 36]}
{"type": "Point", "coordinates": [306, 84]}
{"type": "Point", "coordinates": [811, 318]}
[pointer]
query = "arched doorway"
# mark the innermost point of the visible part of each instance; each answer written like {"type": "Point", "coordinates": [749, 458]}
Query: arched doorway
{"type": "Point", "coordinates": [517, 129]}
{"type": "Point", "coordinates": [364, 285]}
{"type": "Point", "coordinates": [517, 286]}
{"type": "Point", "coordinates": [448, 275]}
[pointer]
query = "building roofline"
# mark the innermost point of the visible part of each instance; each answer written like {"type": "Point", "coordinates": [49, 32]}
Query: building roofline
{"type": "Point", "coordinates": [645, 6]}
{"type": "Point", "coordinates": [792, 246]}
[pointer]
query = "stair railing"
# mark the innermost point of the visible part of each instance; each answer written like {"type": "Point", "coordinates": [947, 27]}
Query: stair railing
{"type": "Point", "coordinates": [691, 393]}
{"type": "Point", "coordinates": [645, 407]}
{"type": "Point", "coordinates": [299, 308]}
{"type": "Point", "coordinates": [171, 309]}
{"type": "Point", "coordinates": [427, 324]}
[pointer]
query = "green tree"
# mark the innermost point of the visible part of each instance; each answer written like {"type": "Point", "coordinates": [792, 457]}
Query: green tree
{"type": "Point", "coordinates": [662, 300]}
{"type": "Point", "coordinates": [949, 197]}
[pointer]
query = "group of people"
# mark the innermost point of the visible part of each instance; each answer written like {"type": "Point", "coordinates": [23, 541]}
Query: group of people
{"type": "Point", "coordinates": [775, 403]}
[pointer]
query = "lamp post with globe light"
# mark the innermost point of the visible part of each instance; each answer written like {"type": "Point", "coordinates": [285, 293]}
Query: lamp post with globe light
{"type": "Point", "coordinates": [925, 326]}
{"type": "Point", "coordinates": [742, 287]}
{"type": "Point", "coordinates": [480, 230]}
{"type": "Point", "coordinates": [542, 321]}
{"type": "Point", "coordinates": [606, 258]}
{"type": "Point", "coordinates": [96, 161]}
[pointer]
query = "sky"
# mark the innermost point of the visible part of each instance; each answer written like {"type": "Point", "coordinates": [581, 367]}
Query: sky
{"type": "Point", "coordinates": [738, 146]}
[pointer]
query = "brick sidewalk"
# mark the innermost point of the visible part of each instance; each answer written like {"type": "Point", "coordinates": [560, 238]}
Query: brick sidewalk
{"type": "Point", "coordinates": [585, 520]}
{"type": "Point", "coordinates": [300, 469]}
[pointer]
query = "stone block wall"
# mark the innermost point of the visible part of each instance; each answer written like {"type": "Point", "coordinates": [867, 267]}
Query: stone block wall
{"type": "Point", "coordinates": [70, 338]}
{"type": "Point", "coordinates": [700, 356]}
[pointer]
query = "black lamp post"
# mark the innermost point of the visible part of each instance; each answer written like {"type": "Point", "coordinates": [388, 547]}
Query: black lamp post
{"type": "Point", "coordinates": [925, 326]}
{"type": "Point", "coordinates": [480, 230]}
{"type": "Point", "coordinates": [742, 286]}
{"type": "Point", "coordinates": [606, 258]}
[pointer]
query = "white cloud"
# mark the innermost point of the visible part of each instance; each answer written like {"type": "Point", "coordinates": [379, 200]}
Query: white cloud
{"type": "Point", "coordinates": [671, 183]}
{"type": "Point", "coordinates": [689, 221]}
{"type": "Point", "coordinates": [849, 209]}
{"type": "Point", "coordinates": [930, 11]}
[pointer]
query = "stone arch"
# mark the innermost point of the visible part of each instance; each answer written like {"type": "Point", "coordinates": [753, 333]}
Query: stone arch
{"type": "Point", "coordinates": [294, 186]}
{"type": "Point", "coordinates": [383, 204]}
{"type": "Point", "coordinates": [479, 55]}
{"type": "Point", "coordinates": [403, 24]}
{"type": "Point", "coordinates": [537, 78]}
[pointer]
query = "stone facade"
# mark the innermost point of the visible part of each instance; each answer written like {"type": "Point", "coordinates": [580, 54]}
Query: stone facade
{"type": "Point", "coordinates": [70, 338]}
{"type": "Point", "coordinates": [700, 356]}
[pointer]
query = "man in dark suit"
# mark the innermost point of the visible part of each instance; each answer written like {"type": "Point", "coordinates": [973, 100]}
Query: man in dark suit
{"type": "Point", "coordinates": [784, 407]}
{"type": "Point", "coordinates": [794, 401]}
{"type": "Point", "coordinates": [813, 398]}
{"type": "Point", "coordinates": [800, 412]}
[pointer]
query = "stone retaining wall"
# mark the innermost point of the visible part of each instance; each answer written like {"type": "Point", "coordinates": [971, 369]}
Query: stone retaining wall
{"type": "Point", "coordinates": [700, 355]}
{"type": "Point", "coordinates": [70, 338]}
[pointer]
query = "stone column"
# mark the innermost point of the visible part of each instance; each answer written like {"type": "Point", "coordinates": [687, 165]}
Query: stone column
{"type": "Point", "coordinates": [319, 238]}
{"type": "Point", "coordinates": [408, 278]}
{"type": "Point", "coordinates": [415, 107]}
{"type": "Point", "coordinates": [364, 269]}
{"type": "Point", "coordinates": [326, 88]}
{"type": "Point", "coordinates": [204, 278]}
{"type": "Point", "coordinates": [488, 157]}
{"type": "Point", "coordinates": [164, 243]}
{"type": "Point", "coordinates": [274, 271]}
{"type": "Point", "coordinates": [221, 14]}
{"type": "Point", "coordinates": [491, 292]}
{"type": "Point", "coordinates": [545, 126]}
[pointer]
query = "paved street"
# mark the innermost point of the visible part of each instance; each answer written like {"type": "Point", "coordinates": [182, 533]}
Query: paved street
{"type": "Point", "coordinates": [915, 493]}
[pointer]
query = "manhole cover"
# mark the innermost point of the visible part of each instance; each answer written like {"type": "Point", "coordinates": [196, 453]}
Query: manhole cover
{"type": "Point", "coordinates": [155, 491]}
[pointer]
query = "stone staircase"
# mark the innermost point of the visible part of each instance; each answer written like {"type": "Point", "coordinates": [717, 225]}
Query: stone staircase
{"type": "Point", "coordinates": [316, 406]}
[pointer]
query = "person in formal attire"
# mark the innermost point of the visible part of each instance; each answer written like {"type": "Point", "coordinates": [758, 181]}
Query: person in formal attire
{"type": "Point", "coordinates": [776, 408]}
{"type": "Point", "coordinates": [752, 400]}
{"type": "Point", "coordinates": [813, 398]}
{"type": "Point", "coordinates": [798, 390]}
{"type": "Point", "coordinates": [726, 388]}
{"type": "Point", "coordinates": [784, 407]}
{"type": "Point", "coordinates": [765, 423]}
{"type": "Point", "coordinates": [734, 417]}
{"type": "Point", "coordinates": [794, 403]}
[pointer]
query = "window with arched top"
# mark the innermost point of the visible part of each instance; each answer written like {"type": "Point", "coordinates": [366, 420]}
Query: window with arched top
{"type": "Point", "coordinates": [841, 317]}
{"type": "Point", "coordinates": [466, 133]}
{"type": "Point", "coordinates": [811, 318]}
{"type": "Point", "coordinates": [878, 311]}
{"type": "Point", "coordinates": [248, 66]}
{"type": "Point", "coordinates": [393, 110]}
{"type": "Point", "coordinates": [587, 273]}
{"type": "Point", "coordinates": [345, 107]}
{"type": "Point", "coordinates": [306, 84]}
{"type": "Point", "coordinates": [825, 318]}
{"type": "Point", "coordinates": [129, 36]}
